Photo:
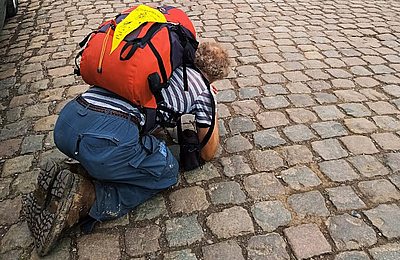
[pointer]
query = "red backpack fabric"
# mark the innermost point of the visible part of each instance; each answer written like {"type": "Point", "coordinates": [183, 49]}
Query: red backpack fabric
{"type": "Point", "coordinates": [144, 61]}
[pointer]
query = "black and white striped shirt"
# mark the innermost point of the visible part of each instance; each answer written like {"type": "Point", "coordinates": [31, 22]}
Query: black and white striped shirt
{"type": "Point", "coordinates": [196, 100]}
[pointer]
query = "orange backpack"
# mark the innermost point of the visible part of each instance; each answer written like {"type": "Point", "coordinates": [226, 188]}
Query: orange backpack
{"type": "Point", "coordinates": [143, 62]}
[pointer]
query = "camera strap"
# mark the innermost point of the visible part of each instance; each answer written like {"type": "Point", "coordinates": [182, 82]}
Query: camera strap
{"type": "Point", "coordinates": [212, 126]}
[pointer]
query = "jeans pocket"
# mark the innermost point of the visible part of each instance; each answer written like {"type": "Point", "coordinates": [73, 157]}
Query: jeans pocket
{"type": "Point", "coordinates": [153, 158]}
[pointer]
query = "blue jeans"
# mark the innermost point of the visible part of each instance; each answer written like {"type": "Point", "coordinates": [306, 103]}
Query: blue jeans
{"type": "Point", "coordinates": [127, 169]}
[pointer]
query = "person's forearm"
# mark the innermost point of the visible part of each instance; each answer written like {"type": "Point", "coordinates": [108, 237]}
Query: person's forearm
{"type": "Point", "coordinates": [210, 149]}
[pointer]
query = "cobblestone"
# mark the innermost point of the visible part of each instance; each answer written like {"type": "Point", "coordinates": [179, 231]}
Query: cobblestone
{"type": "Point", "coordinates": [307, 241]}
{"type": "Point", "coordinates": [298, 133]}
{"type": "Point", "coordinates": [183, 231]}
{"type": "Point", "coordinates": [226, 193]}
{"type": "Point", "coordinates": [268, 138]}
{"type": "Point", "coordinates": [188, 200]}
{"type": "Point", "coordinates": [230, 222]}
{"type": "Point", "coordinates": [350, 233]}
{"type": "Point", "coordinates": [270, 215]}
{"type": "Point", "coordinates": [386, 252]}
{"type": "Point", "coordinates": [315, 82]}
{"type": "Point", "coordinates": [329, 149]}
{"type": "Point", "coordinates": [344, 198]}
{"type": "Point", "coordinates": [263, 186]}
{"type": "Point", "coordinates": [338, 170]}
{"type": "Point", "coordinates": [329, 129]}
{"type": "Point", "coordinates": [379, 191]}
{"type": "Point", "coordinates": [308, 204]}
{"type": "Point", "coordinates": [270, 246]}
{"type": "Point", "coordinates": [224, 250]}
{"type": "Point", "coordinates": [386, 219]}
{"type": "Point", "coordinates": [368, 166]}
{"type": "Point", "coordinates": [95, 246]}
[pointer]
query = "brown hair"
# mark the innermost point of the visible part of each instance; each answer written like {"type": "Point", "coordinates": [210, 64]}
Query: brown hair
{"type": "Point", "coordinates": [212, 60]}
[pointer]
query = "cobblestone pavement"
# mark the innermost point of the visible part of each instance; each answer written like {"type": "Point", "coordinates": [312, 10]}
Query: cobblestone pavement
{"type": "Point", "coordinates": [310, 126]}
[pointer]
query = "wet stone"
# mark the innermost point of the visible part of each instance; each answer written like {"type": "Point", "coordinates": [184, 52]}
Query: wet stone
{"type": "Point", "coordinates": [151, 209]}
{"type": "Point", "coordinates": [183, 231]}
{"type": "Point", "coordinates": [393, 161]}
{"type": "Point", "coordinates": [268, 138]}
{"type": "Point", "coordinates": [223, 250]}
{"type": "Point", "coordinates": [141, 241]}
{"type": "Point", "coordinates": [298, 133]}
{"type": "Point", "coordinates": [355, 109]}
{"type": "Point", "coordinates": [188, 200]}
{"type": "Point", "coordinates": [230, 222]}
{"type": "Point", "coordinates": [386, 218]}
{"type": "Point", "coordinates": [350, 233]}
{"type": "Point", "coordinates": [329, 149]}
{"type": "Point", "coordinates": [266, 160]}
{"type": "Point", "coordinates": [226, 193]}
{"type": "Point", "coordinates": [263, 186]}
{"type": "Point", "coordinates": [275, 102]}
{"type": "Point", "coordinates": [297, 154]}
{"type": "Point", "coordinates": [270, 246]}
{"type": "Point", "coordinates": [360, 125]}
{"type": "Point", "coordinates": [353, 255]}
{"type": "Point", "coordinates": [238, 143]}
{"type": "Point", "coordinates": [387, 141]}
{"type": "Point", "coordinates": [99, 246]}
{"type": "Point", "coordinates": [272, 119]}
{"type": "Point", "coordinates": [270, 215]}
{"type": "Point", "coordinates": [386, 252]}
{"type": "Point", "coordinates": [368, 165]}
{"type": "Point", "coordinates": [235, 165]}
{"type": "Point", "coordinates": [344, 198]}
{"type": "Point", "coordinates": [329, 129]}
{"type": "Point", "coordinates": [379, 191]}
{"type": "Point", "coordinates": [307, 241]}
{"type": "Point", "coordinates": [308, 204]}
{"type": "Point", "coordinates": [207, 172]}
{"type": "Point", "coordinates": [241, 124]}
{"type": "Point", "coordinates": [18, 236]}
{"type": "Point", "coordinates": [358, 144]}
{"type": "Point", "coordinates": [300, 177]}
{"type": "Point", "coordinates": [180, 255]}
{"type": "Point", "coordinates": [17, 165]}
{"type": "Point", "coordinates": [32, 144]}
{"type": "Point", "coordinates": [301, 115]}
{"type": "Point", "coordinates": [338, 170]}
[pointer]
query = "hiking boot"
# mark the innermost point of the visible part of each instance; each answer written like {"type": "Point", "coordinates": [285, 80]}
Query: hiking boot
{"type": "Point", "coordinates": [59, 201]}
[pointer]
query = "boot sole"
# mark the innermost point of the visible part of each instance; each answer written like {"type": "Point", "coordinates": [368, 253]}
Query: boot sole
{"type": "Point", "coordinates": [46, 209]}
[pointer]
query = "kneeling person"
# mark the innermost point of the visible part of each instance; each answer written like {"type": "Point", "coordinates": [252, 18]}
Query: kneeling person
{"type": "Point", "coordinates": [102, 131]}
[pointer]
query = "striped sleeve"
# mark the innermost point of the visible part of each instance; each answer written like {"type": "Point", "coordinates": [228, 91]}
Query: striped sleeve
{"type": "Point", "coordinates": [203, 109]}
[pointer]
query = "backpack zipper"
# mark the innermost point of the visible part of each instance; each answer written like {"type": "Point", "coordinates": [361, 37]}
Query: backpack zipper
{"type": "Point", "coordinates": [103, 50]}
